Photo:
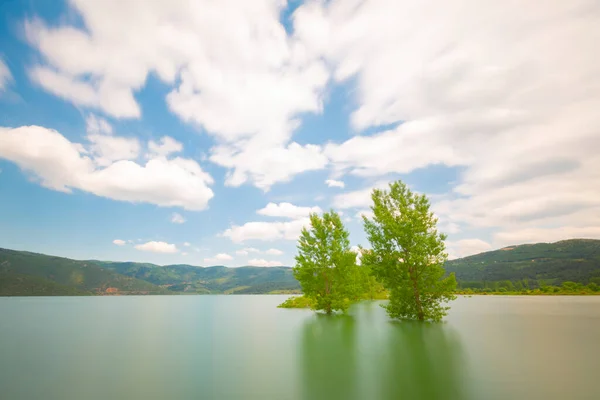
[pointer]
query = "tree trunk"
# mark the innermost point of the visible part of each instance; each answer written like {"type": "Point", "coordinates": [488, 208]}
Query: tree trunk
{"type": "Point", "coordinates": [417, 294]}
{"type": "Point", "coordinates": [327, 292]}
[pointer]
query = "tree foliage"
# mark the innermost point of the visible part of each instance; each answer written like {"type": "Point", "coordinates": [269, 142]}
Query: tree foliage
{"type": "Point", "coordinates": [408, 254]}
{"type": "Point", "coordinates": [325, 266]}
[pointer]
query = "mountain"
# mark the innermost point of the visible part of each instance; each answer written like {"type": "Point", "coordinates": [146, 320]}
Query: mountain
{"type": "Point", "coordinates": [26, 273]}
{"type": "Point", "coordinates": [81, 276]}
{"type": "Point", "coordinates": [217, 279]}
{"type": "Point", "coordinates": [534, 265]}
{"type": "Point", "coordinates": [29, 285]}
{"type": "Point", "coordinates": [513, 267]}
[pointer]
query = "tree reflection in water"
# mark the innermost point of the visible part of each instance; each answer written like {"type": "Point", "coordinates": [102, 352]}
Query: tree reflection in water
{"type": "Point", "coordinates": [364, 356]}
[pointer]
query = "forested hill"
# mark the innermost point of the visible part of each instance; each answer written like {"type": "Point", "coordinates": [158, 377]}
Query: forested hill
{"type": "Point", "coordinates": [217, 279]}
{"type": "Point", "coordinates": [25, 273]}
{"type": "Point", "coordinates": [33, 274]}
{"type": "Point", "coordinates": [513, 267]}
{"type": "Point", "coordinates": [532, 265]}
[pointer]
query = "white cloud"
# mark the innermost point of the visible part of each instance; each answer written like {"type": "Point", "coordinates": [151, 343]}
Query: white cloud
{"type": "Point", "coordinates": [119, 242]}
{"type": "Point", "coordinates": [266, 165]}
{"type": "Point", "coordinates": [467, 247]}
{"type": "Point", "coordinates": [184, 254]}
{"type": "Point", "coordinates": [186, 244]}
{"type": "Point", "coordinates": [366, 212]}
{"type": "Point", "coordinates": [547, 235]}
{"type": "Point", "coordinates": [496, 81]}
{"type": "Point", "coordinates": [157, 247]}
{"type": "Point", "coordinates": [62, 165]}
{"type": "Point", "coordinates": [219, 257]}
{"type": "Point", "coordinates": [491, 83]}
{"type": "Point", "coordinates": [357, 198]}
{"type": "Point", "coordinates": [334, 183]}
{"type": "Point", "coordinates": [271, 231]}
{"type": "Point", "coordinates": [97, 125]}
{"type": "Point", "coordinates": [177, 218]}
{"type": "Point", "coordinates": [266, 231]}
{"type": "Point", "coordinates": [259, 262]}
{"type": "Point", "coordinates": [248, 97]}
{"type": "Point", "coordinates": [5, 75]}
{"type": "Point", "coordinates": [114, 100]}
{"type": "Point", "coordinates": [287, 210]}
{"type": "Point", "coordinates": [108, 149]}
{"type": "Point", "coordinates": [247, 250]}
{"type": "Point", "coordinates": [274, 252]}
{"type": "Point", "coordinates": [165, 146]}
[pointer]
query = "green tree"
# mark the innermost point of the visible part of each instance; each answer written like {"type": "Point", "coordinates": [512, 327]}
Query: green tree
{"type": "Point", "coordinates": [373, 289]}
{"type": "Point", "coordinates": [408, 254]}
{"type": "Point", "coordinates": [325, 266]}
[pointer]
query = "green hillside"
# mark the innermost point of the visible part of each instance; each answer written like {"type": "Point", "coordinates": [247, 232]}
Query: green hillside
{"type": "Point", "coordinates": [511, 268]}
{"type": "Point", "coordinates": [531, 265]}
{"type": "Point", "coordinates": [28, 285]}
{"type": "Point", "coordinates": [80, 275]}
{"type": "Point", "coordinates": [217, 279]}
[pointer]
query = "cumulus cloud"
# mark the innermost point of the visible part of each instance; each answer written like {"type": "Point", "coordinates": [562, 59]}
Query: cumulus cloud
{"type": "Point", "coordinates": [62, 165]}
{"type": "Point", "coordinates": [157, 247]}
{"type": "Point", "coordinates": [247, 250]}
{"type": "Point", "coordinates": [548, 235]}
{"type": "Point", "coordinates": [119, 242]}
{"type": "Point", "coordinates": [274, 252]}
{"type": "Point", "coordinates": [97, 125]}
{"type": "Point", "coordinates": [218, 257]}
{"type": "Point", "coordinates": [108, 149]}
{"type": "Point", "coordinates": [271, 231]}
{"type": "Point", "coordinates": [287, 210]}
{"type": "Point", "coordinates": [266, 165]}
{"type": "Point", "coordinates": [334, 183]}
{"type": "Point", "coordinates": [177, 218]}
{"type": "Point", "coordinates": [266, 231]}
{"type": "Point", "coordinates": [466, 247]}
{"type": "Point", "coordinates": [492, 83]}
{"type": "Point", "coordinates": [360, 198]}
{"type": "Point", "coordinates": [165, 146]}
{"type": "Point", "coordinates": [504, 93]}
{"type": "Point", "coordinates": [248, 97]}
{"type": "Point", "coordinates": [259, 262]}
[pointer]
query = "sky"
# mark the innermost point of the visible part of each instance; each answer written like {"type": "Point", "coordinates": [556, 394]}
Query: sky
{"type": "Point", "coordinates": [205, 132]}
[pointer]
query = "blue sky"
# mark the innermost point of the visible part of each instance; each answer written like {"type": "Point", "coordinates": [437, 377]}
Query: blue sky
{"type": "Point", "coordinates": [203, 133]}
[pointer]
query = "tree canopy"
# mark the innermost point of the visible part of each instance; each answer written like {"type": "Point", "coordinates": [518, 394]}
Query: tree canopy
{"type": "Point", "coordinates": [325, 265]}
{"type": "Point", "coordinates": [407, 254]}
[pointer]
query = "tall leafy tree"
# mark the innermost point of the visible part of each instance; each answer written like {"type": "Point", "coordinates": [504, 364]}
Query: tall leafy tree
{"type": "Point", "coordinates": [407, 254]}
{"type": "Point", "coordinates": [325, 266]}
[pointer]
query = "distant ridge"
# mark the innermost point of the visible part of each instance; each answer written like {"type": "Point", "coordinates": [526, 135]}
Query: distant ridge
{"type": "Point", "coordinates": [576, 260]}
{"type": "Point", "coordinates": [526, 265]}
{"type": "Point", "coordinates": [28, 273]}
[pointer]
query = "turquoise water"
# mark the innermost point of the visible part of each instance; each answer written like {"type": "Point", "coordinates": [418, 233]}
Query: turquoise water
{"type": "Point", "coordinates": [243, 347]}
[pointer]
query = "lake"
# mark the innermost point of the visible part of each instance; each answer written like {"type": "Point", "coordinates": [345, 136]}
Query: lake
{"type": "Point", "coordinates": [243, 347]}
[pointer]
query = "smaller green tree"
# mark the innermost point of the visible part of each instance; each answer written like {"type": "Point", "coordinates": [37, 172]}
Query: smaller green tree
{"type": "Point", "coordinates": [325, 266]}
{"type": "Point", "coordinates": [408, 254]}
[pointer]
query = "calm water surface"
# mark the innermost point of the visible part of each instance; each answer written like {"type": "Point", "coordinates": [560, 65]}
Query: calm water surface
{"type": "Point", "coordinates": [243, 347]}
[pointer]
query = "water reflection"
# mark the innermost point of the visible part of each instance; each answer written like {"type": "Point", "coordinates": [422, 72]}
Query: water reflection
{"type": "Point", "coordinates": [421, 361]}
{"type": "Point", "coordinates": [328, 363]}
{"type": "Point", "coordinates": [365, 356]}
